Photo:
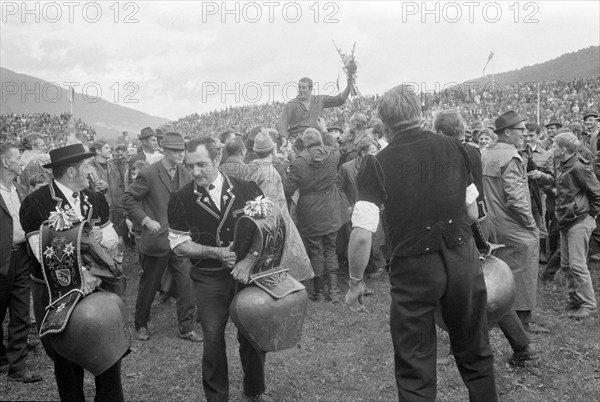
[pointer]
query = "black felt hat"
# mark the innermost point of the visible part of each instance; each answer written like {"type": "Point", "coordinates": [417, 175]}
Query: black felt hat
{"type": "Point", "coordinates": [68, 154]}
{"type": "Point", "coordinates": [506, 120]}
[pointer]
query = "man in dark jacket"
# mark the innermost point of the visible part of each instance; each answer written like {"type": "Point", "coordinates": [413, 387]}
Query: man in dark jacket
{"type": "Point", "coordinates": [202, 218]}
{"type": "Point", "coordinates": [68, 190]}
{"type": "Point", "coordinates": [146, 201]}
{"type": "Point", "coordinates": [435, 260]}
{"type": "Point", "coordinates": [577, 205]}
{"type": "Point", "coordinates": [15, 284]}
{"type": "Point", "coordinates": [321, 211]}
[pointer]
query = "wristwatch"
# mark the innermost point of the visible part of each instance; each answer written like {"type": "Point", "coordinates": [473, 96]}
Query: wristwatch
{"type": "Point", "coordinates": [254, 253]}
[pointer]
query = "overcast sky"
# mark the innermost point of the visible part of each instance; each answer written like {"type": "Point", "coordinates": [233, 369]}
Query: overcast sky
{"type": "Point", "coordinates": [175, 58]}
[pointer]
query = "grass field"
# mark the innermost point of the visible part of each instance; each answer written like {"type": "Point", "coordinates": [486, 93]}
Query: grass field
{"type": "Point", "coordinates": [344, 357]}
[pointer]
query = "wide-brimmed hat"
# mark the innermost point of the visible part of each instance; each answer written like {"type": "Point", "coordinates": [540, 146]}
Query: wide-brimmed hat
{"type": "Point", "coordinates": [67, 154]}
{"type": "Point", "coordinates": [506, 120]}
{"type": "Point", "coordinates": [165, 128]}
{"type": "Point", "coordinates": [173, 141]}
{"type": "Point", "coordinates": [336, 125]}
{"type": "Point", "coordinates": [147, 133]}
{"type": "Point", "coordinates": [590, 113]}
{"type": "Point", "coordinates": [263, 143]}
{"type": "Point", "coordinates": [554, 123]}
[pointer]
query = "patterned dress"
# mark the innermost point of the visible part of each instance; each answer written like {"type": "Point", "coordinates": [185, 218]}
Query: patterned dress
{"type": "Point", "coordinates": [295, 258]}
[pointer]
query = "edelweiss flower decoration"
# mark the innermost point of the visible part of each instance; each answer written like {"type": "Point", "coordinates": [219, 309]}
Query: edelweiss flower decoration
{"type": "Point", "coordinates": [62, 219]}
{"type": "Point", "coordinates": [259, 208]}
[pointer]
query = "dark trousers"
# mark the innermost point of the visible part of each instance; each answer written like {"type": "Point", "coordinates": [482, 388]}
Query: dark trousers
{"type": "Point", "coordinates": [552, 266]}
{"type": "Point", "coordinates": [214, 293]}
{"type": "Point", "coordinates": [69, 375]}
{"type": "Point", "coordinates": [322, 255]}
{"type": "Point", "coordinates": [454, 279]}
{"type": "Point", "coordinates": [15, 289]}
{"type": "Point", "coordinates": [513, 330]}
{"type": "Point", "coordinates": [153, 270]}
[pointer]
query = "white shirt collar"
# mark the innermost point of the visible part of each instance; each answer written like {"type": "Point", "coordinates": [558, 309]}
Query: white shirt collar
{"type": "Point", "coordinates": [68, 193]}
{"type": "Point", "coordinates": [218, 183]}
{"type": "Point", "coordinates": [10, 187]}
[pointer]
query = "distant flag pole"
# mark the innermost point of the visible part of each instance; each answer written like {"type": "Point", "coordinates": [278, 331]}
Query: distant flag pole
{"type": "Point", "coordinates": [490, 57]}
{"type": "Point", "coordinates": [538, 102]}
{"type": "Point", "coordinates": [71, 98]}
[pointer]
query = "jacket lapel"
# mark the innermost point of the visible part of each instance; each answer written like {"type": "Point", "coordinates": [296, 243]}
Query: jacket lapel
{"type": "Point", "coordinates": [227, 198]}
{"type": "Point", "coordinates": [164, 176]}
{"type": "Point", "coordinates": [57, 195]}
{"type": "Point", "coordinates": [205, 202]}
{"type": "Point", "coordinates": [21, 192]}
{"type": "Point", "coordinates": [3, 205]}
{"type": "Point", "coordinates": [87, 207]}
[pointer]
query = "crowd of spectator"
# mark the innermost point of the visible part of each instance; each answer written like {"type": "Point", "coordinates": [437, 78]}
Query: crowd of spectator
{"type": "Point", "coordinates": [55, 129]}
{"type": "Point", "coordinates": [564, 101]}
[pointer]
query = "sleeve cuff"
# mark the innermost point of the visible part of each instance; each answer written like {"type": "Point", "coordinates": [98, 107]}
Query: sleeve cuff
{"type": "Point", "coordinates": [144, 221]}
{"type": "Point", "coordinates": [472, 194]}
{"type": "Point", "coordinates": [365, 216]}
{"type": "Point", "coordinates": [34, 242]}
{"type": "Point", "coordinates": [177, 237]}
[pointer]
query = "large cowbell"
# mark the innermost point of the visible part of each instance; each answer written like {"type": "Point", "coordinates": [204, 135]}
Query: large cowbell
{"type": "Point", "coordinates": [92, 330]}
{"type": "Point", "coordinates": [270, 312]}
{"type": "Point", "coordinates": [501, 293]}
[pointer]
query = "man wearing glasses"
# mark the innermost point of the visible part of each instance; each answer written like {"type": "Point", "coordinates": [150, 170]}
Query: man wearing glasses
{"type": "Point", "coordinates": [507, 192]}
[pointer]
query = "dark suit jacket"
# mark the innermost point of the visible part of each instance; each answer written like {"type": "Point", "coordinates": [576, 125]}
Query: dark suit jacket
{"type": "Point", "coordinates": [191, 210]}
{"type": "Point", "coordinates": [149, 195]}
{"type": "Point", "coordinates": [37, 206]}
{"type": "Point", "coordinates": [6, 231]}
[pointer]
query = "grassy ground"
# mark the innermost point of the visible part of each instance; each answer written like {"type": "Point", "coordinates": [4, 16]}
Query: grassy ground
{"type": "Point", "coordinates": [345, 357]}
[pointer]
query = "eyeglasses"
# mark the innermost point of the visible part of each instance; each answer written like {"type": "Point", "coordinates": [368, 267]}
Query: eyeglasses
{"type": "Point", "coordinates": [521, 129]}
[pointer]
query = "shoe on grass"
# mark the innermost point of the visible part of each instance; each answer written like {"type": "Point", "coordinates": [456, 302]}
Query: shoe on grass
{"type": "Point", "coordinates": [335, 295]}
{"type": "Point", "coordinates": [572, 305]}
{"type": "Point", "coordinates": [25, 376]}
{"type": "Point", "coordinates": [583, 313]}
{"type": "Point", "coordinates": [535, 328]}
{"type": "Point", "coordinates": [526, 357]}
{"type": "Point", "coordinates": [192, 336]}
{"type": "Point", "coordinates": [142, 334]}
{"type": "Point", "coordinates": [380, 273]}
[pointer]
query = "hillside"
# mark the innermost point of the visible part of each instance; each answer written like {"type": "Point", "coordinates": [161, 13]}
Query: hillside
{"type": "Point", "coordinates": [582, 63]}
{"type": "Point", "coordinates": [39, 96]}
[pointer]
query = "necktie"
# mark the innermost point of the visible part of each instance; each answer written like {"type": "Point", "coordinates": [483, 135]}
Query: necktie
{"type": "Point", "coordinates": [76, 203]}
{"type": "Point", "coordinates": [214, 195]}
{"type": "Point", "coordinates": [172, 172]}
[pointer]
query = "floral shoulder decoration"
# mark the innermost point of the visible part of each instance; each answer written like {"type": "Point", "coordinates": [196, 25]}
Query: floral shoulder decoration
{"type": "Point", "coordinates": [62, 219]}
{"type": "Point", "coordinates": [61, 260]}
{"type": "Point", "coordinates": [258, 208]}
{"type": "Point", "coordinates": [59, 255]}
